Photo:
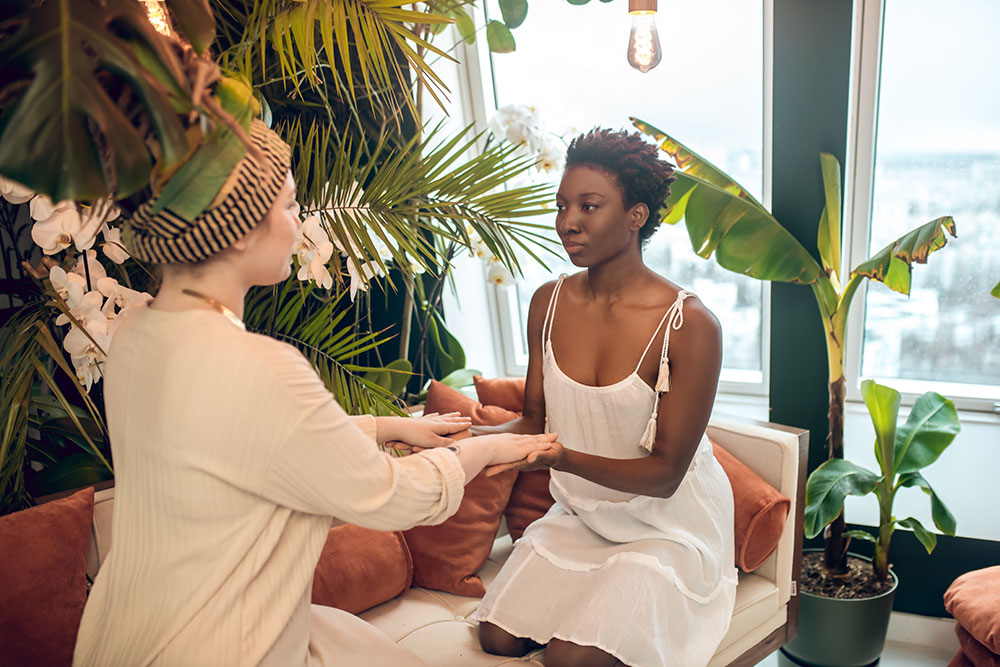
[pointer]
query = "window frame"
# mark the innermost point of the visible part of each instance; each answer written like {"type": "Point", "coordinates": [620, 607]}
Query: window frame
{"type": "Point", "coordinates": [479, 102]}
{"type": "Point", "coordinates": [859, 183]}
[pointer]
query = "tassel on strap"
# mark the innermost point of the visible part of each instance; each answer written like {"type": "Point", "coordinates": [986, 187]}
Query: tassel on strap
{"type": "Point", "coordinates": [649, 435]}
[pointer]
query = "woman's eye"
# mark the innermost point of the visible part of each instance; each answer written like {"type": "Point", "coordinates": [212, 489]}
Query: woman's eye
{"type": "Point", "coordinates": [589, 207]}
{"type": "Point", "coordinates": [560, 207]}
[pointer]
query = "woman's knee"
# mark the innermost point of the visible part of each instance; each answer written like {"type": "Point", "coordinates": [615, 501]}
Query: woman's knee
{"type": "Point", "coordinates": [561, 653]}
{"type": "Point", "coordinates": [497, 641]}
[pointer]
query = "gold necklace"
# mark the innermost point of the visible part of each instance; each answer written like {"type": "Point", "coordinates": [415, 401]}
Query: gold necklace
{"type": "Point", "coordinates": [228, 314]}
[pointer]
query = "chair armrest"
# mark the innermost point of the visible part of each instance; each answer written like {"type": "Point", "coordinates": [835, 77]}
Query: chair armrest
{"type": "Point", "coordinates": [779, 455]}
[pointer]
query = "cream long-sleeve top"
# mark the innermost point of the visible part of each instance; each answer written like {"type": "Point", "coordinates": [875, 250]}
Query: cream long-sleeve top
{"type": "Point", "coordinates": [231, 458]}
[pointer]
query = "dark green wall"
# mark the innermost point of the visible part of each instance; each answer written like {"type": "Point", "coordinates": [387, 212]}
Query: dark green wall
{"type": "Point", "coordinates": [812, 56]}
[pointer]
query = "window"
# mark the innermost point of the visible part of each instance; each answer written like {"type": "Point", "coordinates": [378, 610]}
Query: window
{"type": "Point", "coordinates": [937, 152]}
{"type": "Point", "coordinates": [570, 65]}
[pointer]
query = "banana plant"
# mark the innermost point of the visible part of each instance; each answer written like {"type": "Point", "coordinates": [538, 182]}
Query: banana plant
{"type": "Point", "coordinates": [723, 219]}
{"type": "Point", "coordinates": [901, 453]}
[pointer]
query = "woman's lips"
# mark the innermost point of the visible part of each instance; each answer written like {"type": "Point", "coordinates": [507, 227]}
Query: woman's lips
{"type": "Point", "coordinates": [572, 246]}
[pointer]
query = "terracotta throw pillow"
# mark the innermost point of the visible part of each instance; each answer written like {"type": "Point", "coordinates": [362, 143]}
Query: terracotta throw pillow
{"type": "Point", "coordinates": [760, 512]}
{"type": "Point", "coordinates": [360, 568]}
{"type": "Point", "coordinates": [43, 581]}
{"type": "Point", "coordinates": [973, 599]}
{"type": "Point", "coordinates": [447, 556]}
{"type": "Point", "coordinates": [972, 652]}
{"type": "Point", "coordinates": [508, 393]}
{"type": "Point", "coordinates": [530, 499]}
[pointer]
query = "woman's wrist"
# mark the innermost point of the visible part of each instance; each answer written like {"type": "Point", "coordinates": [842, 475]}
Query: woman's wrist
{"type": "Point", "coordinates": [388, 428]}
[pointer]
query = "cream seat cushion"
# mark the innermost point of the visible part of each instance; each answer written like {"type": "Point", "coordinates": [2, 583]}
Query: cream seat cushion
{"type": "Point", "coordinates": [432, 624]}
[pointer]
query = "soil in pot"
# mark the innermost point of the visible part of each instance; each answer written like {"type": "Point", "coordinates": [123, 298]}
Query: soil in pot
{"type": "Point", "coordinates": [860, 581]}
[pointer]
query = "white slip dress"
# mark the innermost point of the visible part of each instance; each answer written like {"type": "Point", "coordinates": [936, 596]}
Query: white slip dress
{"type": "Point", "coordinates": [649, 580]}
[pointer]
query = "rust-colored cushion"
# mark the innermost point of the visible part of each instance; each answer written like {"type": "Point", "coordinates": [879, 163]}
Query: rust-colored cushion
{"type": "Point", "coordinates": [530, 498]}
{"type": "Point", "coordinates": [447, 556]}
{"type": "Point", "coordinates": [360, 568]}
{"type": "Point", "coordinates": [973, 651]}
{"type": "Point", "coordinates": [508, 393]}
{"type": "Point", "coordinates": [974, 600]}
{"type": "Point", "coordinates": [43, 581]}
{"type": "Point", "coordinates": [759, 512]}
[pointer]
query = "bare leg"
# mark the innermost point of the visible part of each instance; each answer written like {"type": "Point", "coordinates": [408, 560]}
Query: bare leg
{"type": "Point", "coordinates": [497, 641]}
{"type": "Point", "coordinates": [561, 653]}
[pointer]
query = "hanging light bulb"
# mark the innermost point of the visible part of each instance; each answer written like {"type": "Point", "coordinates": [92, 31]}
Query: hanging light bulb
{"type": "Point", "coordinates": [156, 11]}
{"type": "Point", "coordinates": [644, 51]}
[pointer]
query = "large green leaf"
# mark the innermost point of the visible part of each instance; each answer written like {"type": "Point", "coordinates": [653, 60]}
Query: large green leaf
{"type": "Point", "coordinates": [828, 239]}
{"type": "Point", "coordinates": [196, 21]}
{"type": "Point", "coordinates": [513, 12]}
{"type": "Point", "coordinates": [930, 428]}
{"type": "Point", "coordinates": [745, 238]}
{"type": "Point", "coordinates": [193, 187]}
{"type": "Point", "coordinates": [68, 49]}
{"type": "Point", "coordinates": [926, 537]}
{"type": "Point", "coordinates": [828, 486]}
{"type": "Point", "coordinates": [499, 38]}
{"type": "Point", "coordinates": [883, 406]}
{"type": "Point", "coordinates": [942, 516]}
{"type": "Point", "coordinates": [996, 291]}
{"type": "Point", "coordinates": [893, 264]}
{"type": "Point", "coordinates": [690, 162]}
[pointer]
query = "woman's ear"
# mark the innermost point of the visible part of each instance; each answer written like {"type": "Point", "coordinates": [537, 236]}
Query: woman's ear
{"type": "Point", "coordinates": [639, 215]}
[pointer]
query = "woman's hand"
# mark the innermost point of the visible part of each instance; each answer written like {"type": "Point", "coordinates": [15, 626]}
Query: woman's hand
{"type": "Point", "coordinates": [510, 448]}
{"type": "Point", "coordinates": [550, 457]}
{"type": "Point", "coordinates": [418, 433]}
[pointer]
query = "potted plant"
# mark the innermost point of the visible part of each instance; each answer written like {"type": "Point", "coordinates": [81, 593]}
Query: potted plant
{"type": "Point", "coordinates": [860, 607]}
{"type": "Point", "coordinates": [142, 96]}
{"type": "Point", "coordinates": [723, 219]}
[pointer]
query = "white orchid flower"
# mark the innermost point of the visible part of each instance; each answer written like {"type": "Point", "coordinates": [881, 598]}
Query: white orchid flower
{"type": "Point", "coordinates": [113, 247]}
{"type": "Point", "coordinates": [88, 307]}
{"type": "Point", "coordinates": [519, 125]}
{"type": "Point", "coordinates": [97, 270]}
{"type": "Point", "coordinates": [551, 156]}
{"type": "Point", "coordinates": [56, 232]}
{"type": "Point", "coordinates": [88, 352]}
{"type": "Point", "coordinates": [314, 250]}
{"type": "Point", "coordinates": [42, 207]}
{"type": "Point", "coordinates": [498, 274]}
{"type": "Point", "coordinates": [69, 286]}
{"type": "Point", "coordinates": [14, 192]}
{"type": "Point", "coordinates": [120, 301]}
{"type": "Point", "coordinates": [92, 222]}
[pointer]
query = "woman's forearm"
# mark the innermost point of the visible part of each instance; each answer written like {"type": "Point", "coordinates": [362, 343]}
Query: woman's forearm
{"type": "Point", "coordinates": [647, 476]}
{"type": "Point", "coordinates": [525, 424]}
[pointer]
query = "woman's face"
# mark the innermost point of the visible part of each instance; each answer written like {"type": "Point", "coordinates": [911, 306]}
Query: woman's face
{"type": "Point", "coordinates": [592, 221]}
{"type": "Point", "coordinates": [270, 251]}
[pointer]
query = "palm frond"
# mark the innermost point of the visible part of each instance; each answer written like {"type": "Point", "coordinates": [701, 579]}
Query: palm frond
{"type": "Point", "coordinates": [315, 322]}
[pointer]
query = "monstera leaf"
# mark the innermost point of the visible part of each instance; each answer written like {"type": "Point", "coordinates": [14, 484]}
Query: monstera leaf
{"type": "Point", "coordinates": [196, 21]}
{"type": "Point", "coordinates": [67, 51]}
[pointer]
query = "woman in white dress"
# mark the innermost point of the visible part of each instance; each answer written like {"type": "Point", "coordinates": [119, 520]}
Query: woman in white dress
{"type": "Point", "coordinates": [231, 456]}
{"type": "Point", "coordinates": [634, 562]}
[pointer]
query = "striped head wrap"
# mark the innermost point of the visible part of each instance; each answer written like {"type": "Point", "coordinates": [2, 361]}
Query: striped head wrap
{"type": "Point", "coordinates": [245, 198]}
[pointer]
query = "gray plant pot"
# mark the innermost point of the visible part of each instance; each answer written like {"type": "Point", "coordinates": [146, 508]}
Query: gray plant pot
{"type": "Point", "coordinates": [840, 633]}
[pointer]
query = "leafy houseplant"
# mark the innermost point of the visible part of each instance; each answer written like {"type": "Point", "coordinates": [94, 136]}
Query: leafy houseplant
{"type": "Point", "coordinates": [901, 453]}
{"type": "Point", "coordinates": [723, 219]}
{"type": "Point", "coordinates": [98, 108]}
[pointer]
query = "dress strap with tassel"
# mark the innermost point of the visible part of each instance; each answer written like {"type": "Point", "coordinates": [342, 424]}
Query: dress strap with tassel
{"type": "Point", "coordinates": [550, 315]}
{"type": "Point", "coordinates": [674, 319]}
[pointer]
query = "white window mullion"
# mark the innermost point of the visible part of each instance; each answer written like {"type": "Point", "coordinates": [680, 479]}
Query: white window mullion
{"type": "Point", "coordinates": [859, 172]}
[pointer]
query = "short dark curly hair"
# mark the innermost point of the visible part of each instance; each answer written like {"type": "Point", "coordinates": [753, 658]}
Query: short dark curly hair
{"type": "Point", "coordinates": [634, 163]}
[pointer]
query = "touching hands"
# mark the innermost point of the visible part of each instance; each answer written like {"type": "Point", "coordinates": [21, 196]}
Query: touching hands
{"type": "Point", "coordinates": [523, 452]}
{"type": "Point", "coordinates": [416, 433]}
